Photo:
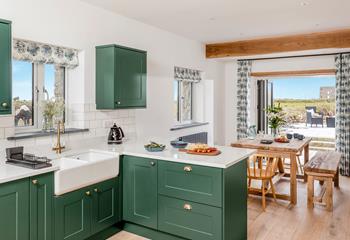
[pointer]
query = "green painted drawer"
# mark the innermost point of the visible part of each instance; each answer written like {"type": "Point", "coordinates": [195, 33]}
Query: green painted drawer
{"type": "Point", "coordinates": [190, 182]}
{"type": "Point", "coordinates": [197, 222]}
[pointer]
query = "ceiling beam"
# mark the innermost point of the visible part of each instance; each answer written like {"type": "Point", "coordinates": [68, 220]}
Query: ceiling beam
{"type": "Point", "coordinates": [314, 72]}
{"type": "Point", "coordinates": [292, 43]}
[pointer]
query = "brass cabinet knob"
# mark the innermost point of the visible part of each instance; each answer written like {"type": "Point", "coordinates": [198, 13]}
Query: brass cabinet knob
{"type": "Point", "coordinates": [187, 207]}
{"type": "Point", "coordinates": [188, 169]}
{"type": "Point", "coordinates": [118, 102]}
{"type": "Point", "coordinates": [96, 190]}
{"type": "Point", "coordinates": [35, 182]}
{"type": "Point", "coordinates": [153, 163]}
{"type": "Point", "coordinates": [88, 193]}
{"type": "Point", "coordinates": [4, 105]}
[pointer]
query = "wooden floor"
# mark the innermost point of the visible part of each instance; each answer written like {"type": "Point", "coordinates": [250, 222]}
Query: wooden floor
{"type": "Point", "coordinates": [282, 222]}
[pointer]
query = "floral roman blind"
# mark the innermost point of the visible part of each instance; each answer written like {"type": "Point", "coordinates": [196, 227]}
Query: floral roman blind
{"type": "Point", "coordinates": [44, 53]}
{"type": "Point", "coordinates": [188, 75]}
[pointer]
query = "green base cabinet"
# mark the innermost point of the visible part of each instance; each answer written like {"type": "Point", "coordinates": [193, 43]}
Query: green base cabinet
{"type": "Point", "coordinates": [5, 67]}
{"type": "Point", "coordinates": [82, 213]}
{"type": "Point", "coordinates": [189, 219]}
{"type": "Point", "coordinates": [121, 75]}
{"type": "Point", "coordinates": [105, 205]}
{"type": "Point", "coordinates": [140, 191]}
{"type": "Point", "coordinates": [14, 210]}
{"type": "Point", "coordinates": [41, 207]}
{"type": "Point", "coordinates": [184, 200]}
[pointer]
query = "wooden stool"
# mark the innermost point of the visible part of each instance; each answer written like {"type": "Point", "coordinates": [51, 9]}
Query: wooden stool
{"type": "Point", "coordinates": [324, 168]}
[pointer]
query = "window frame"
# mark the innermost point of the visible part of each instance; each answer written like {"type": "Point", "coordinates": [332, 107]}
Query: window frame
{"type": "Point", "coordinates": [38, 83]}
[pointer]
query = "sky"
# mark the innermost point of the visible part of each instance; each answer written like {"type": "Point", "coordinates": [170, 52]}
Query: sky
{"type": "Point", "coordinates": [301, 87]}
{"type": "Point", "coordinates": [22, 79]}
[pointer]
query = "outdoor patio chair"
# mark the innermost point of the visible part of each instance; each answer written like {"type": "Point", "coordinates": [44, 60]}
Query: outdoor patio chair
{"type": "Point", "coordinates": [313, 117]}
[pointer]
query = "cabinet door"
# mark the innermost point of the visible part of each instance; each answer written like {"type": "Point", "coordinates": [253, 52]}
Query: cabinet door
{"type": "Point", "coordinates": [140, 191]}
{"type": "Point", "coordinates": [73, 215]}
{"type": "Point", "coordinates": [105, 205]}
{"type": "Point", "coordinates": [5, 68]}
{"type": "Point", "coordinates": [41, 207]}
{"type": "Point", "coordinates": [14, 210]}
{"type": "Point", "coordinates": [131, 78]}
{"type": "Point", "coordinates": [105, 77]}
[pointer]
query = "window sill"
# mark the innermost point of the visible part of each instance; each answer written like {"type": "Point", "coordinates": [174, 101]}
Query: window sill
{"type": "Point", "coordinates": [188, 125]}
{"type": "Point", "coordinates": [39, 133]}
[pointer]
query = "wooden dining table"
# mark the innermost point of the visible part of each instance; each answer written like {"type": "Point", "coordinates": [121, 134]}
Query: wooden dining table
{"type": "Point", "coordinates": [282, 150]}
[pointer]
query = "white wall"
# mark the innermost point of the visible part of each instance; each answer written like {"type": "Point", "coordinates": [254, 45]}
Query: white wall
{"type": "Point", "coordinates": [72, 23]}
{"type": "Point", "coordinates": [287, 64]}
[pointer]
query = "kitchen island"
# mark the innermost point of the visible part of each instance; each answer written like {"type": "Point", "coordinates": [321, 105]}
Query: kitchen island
{"type": "Point", "coordinates": [158, 195]}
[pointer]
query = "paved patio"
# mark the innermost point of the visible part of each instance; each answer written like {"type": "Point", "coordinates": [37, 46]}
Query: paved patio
{"type": "Point", "coordinates": [308, 131]}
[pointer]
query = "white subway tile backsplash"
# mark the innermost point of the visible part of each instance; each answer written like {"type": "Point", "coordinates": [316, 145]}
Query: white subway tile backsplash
{"type": "Point", "coordinates": [7, 121]}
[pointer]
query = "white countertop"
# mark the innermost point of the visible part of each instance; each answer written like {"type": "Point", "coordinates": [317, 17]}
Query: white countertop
{"type": "Point", "coordinates": [228, 157]}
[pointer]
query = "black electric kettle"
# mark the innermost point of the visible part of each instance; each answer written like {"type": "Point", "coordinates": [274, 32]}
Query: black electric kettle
{"type": "Point", "coordinates": [115, 135]}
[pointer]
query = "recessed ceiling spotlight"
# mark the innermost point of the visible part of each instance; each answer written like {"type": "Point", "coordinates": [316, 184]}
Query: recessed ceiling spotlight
{"type": "Point", "coordinates": [317, 24]}
{"type": "Point", "coordinates": [212, 19]}
{"type": "Point", "coordinates": [303, 4]}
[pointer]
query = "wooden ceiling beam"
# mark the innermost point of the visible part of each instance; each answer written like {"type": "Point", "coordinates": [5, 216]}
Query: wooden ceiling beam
{"type": "Point", "coordinates": [292, 43]}
{"type": "Point", "coordinates": [314, 72]}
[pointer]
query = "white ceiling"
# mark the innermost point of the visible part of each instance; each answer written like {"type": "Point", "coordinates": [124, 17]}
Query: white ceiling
{"type": "Point", "coordinates": [211, 21]}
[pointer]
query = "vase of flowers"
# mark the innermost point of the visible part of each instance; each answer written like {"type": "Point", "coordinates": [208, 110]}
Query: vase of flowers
{"type": "Point", "coordinates": [51, 109]}
{"type": "Point", "coordinates": [276, 118]}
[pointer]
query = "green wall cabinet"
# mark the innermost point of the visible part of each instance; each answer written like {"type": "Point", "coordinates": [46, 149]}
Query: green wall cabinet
{"type": "Point", "coordinates": [5, 67]}
{"type": "Point", "coordinates": [121, 75]}
{"type": "Point", "coordinates": [14, 210]}
{"type": "Point", "coordinates": [140, 191]}
{"type": "Point", "coordinates": [82, 213]}
{"type": "Point", "coordinates": [41, 207]}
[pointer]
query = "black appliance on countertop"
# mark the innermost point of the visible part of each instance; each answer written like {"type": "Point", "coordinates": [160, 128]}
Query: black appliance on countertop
{"type": "Point", "coordinates": [115, 135]}
{"type": "Point", "coordinates": [16, 156]}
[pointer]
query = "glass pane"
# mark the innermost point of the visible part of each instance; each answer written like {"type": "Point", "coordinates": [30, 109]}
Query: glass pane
{"type": "Point", "coordinates": [53, 92]}
{"type": "Point", "coordinates": [22, 85]}
{"type": "Point", "coordinates": [186, 101]}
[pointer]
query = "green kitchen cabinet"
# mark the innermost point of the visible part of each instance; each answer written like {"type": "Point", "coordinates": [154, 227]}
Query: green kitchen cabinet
{"type": "Point", "coordinates": [73, 215]}
{"type": "Point", "coordinates": [5, 67]}
{"type": "Point", "coordinates": [105, 211]}
{"type": "Point", "coordinates": [189, 219]}
{"type": "Point", "coordinates": [41, 207]}
{"type": "Point", "coordinates": [140, 194]}
{"type": "Point", "coordinates": [14, 211]}
{"type": "Point", "coordinates": [84, 212]}
{"type": "Point", "coordinates": [121, 75]}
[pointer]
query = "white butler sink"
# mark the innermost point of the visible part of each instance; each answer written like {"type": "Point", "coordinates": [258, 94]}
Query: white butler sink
{"type": "Point", "coordinates": [86, 168]}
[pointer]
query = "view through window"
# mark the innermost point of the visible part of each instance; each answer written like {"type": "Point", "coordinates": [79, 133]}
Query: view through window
{"type": "Point", "coordinates": [309, 104]}
{"type": "Point", "coordinates": [38, 91]}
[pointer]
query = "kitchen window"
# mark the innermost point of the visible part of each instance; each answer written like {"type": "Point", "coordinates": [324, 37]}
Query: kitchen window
{"type": "Point", "coordinates": [38, 89]}
{"type": "Point", "coordinates": [183, 94]}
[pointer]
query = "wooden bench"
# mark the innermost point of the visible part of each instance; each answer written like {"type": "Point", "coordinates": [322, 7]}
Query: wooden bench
{"type": "Point", "coordinates": [324, 168]}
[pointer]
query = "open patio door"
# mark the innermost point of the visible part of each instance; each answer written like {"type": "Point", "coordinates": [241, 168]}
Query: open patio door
{"type": "Point", "coordinates": [265, 99]}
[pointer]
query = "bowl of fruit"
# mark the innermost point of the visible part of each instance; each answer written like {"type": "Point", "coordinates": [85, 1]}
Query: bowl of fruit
{"type": "Point", "coordinates": [154, 147]}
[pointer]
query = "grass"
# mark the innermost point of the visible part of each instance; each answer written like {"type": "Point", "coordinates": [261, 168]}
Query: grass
{"type": "Point", "coordinates": [295, 108]}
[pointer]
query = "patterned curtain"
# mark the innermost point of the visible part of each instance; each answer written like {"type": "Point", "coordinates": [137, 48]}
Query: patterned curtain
{"type": "Point", "coordinates": [342, 63]}
{"type": "Point", "coordinates": [187, 74]}
{"type": "Point", "coordinates": [243, 75]}
{"type": "Point", "coordinates": [44, 53]}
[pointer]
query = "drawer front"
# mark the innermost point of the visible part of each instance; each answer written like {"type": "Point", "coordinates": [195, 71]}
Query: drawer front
{"type": "Point", "coordinates": [188, 219]}
{"type": "Point", "coordinates": [190, 182]}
